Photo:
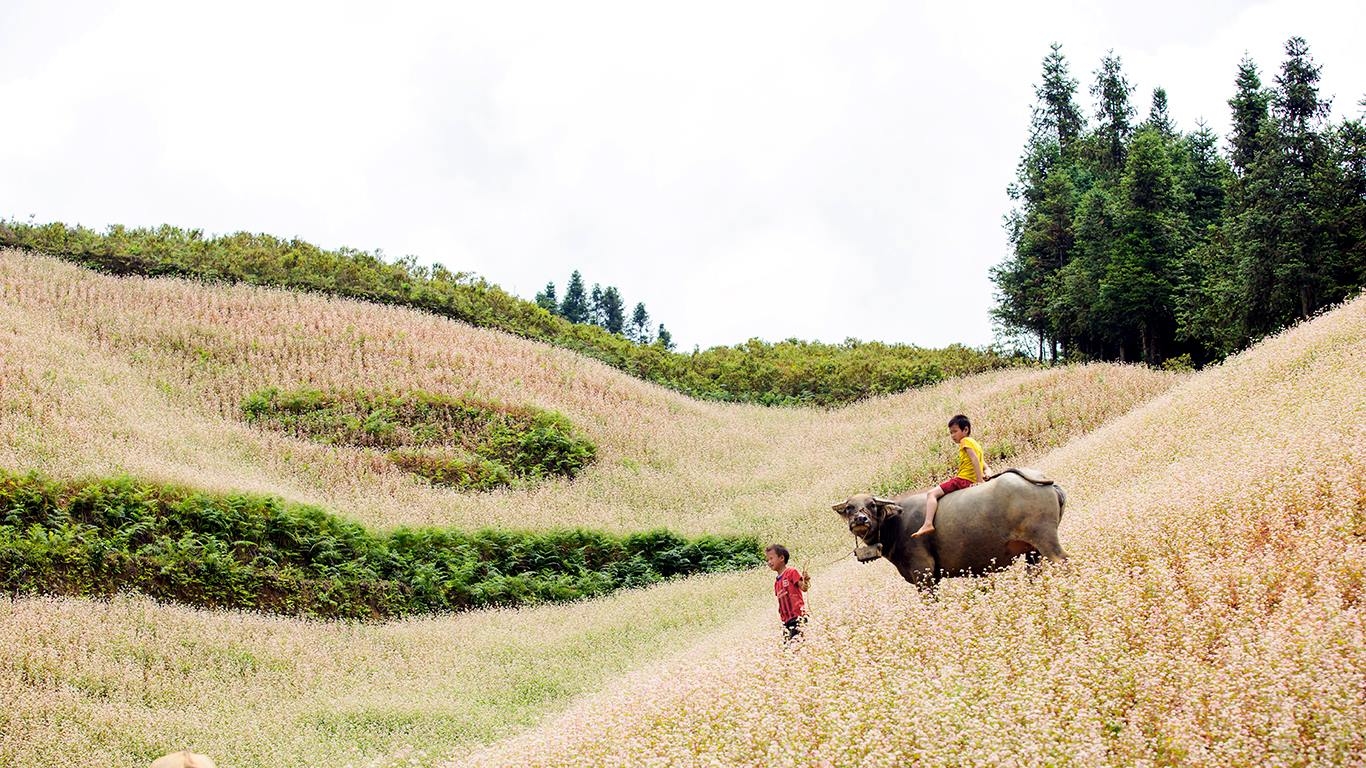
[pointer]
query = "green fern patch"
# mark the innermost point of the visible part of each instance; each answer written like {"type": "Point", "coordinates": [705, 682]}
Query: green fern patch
{"type": "Point", "coordinates": [99, 537]}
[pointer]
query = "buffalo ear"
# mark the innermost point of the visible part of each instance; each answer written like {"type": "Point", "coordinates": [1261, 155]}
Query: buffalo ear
{"type": "Point", "coordinates": [838, 507]}
{"type": "Point", "coordinates": [889, 507]}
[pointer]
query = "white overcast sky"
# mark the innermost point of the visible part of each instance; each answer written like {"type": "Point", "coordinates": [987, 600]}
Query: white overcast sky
{"type": "Point", "coordinates": [771, 170]}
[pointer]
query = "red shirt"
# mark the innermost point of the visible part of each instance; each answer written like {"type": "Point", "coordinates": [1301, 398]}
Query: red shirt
{"type": "Point", "coordinates": [789, 592]}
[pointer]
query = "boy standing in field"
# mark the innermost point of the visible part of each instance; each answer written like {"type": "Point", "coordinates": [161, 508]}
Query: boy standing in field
{"type": "Point", "coordinates": [970, 470]}
{"type": "Point", "coordinates": [788, 586]}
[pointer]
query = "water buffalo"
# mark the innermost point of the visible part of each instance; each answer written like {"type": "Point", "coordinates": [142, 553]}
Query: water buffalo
{"type": "Point", "coordinates": [978, 528]}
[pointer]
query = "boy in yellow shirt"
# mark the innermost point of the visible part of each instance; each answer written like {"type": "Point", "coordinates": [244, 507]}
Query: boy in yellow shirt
{"type": "Point", "coordinates": [970, 470]}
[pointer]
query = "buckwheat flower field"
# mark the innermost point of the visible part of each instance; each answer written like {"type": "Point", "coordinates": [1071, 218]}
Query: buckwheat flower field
{"type": "Point", "coordinates": [1211, 613]}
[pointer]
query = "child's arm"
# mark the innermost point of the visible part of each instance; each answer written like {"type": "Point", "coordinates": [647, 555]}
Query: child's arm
{"type": "Point", "coordinates": [976, 463]}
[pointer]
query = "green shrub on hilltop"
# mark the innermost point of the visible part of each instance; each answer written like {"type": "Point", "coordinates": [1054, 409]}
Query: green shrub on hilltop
{"type": "Point", "coordinates": [460, 442]}
{"type": "Point", "coordinates": [790, 372]}
{"type": "Point", "coordinates": [259, 553]}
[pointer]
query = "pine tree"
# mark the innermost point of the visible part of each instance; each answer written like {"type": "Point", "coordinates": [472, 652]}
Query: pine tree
{"type": "Point", "coordinates": [664, 339]}
{"type": "Point", "coordinates": [1296, 105]}
{"type": "Point", "coordinates": [1138, 284]}
{"type": "Point", "coordinates": [574, 307]}
{"type": "Point", "coordinates": [546, 299]}
{"type": "Point", "coordinates": [640, 324]}
{"type": "Point", "coordinates": [1158, 118]}
{"type": "Point", "coordinates": [613, 310]}
{"type": "Point", "coordinates": [1039, 227]}
{"type": "Point", "coordinates": [1057, 119]}
{"type": "Point", "coordinates": [1205, 179]}
{"type": "Point", "coordinates": [1251, 109]}
{"type": "Point", "coordinates": [1114, 115]}
{"type": "Point", "coordinates": [1299, 154]}
{"type": "Point", "coordinates": [595, 310]}
{"type": "Point", "coordinates": [1250, 220]}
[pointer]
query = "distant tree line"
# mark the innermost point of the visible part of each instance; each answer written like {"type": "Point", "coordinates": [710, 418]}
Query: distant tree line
{"type": "Point", "coordinates": [604, 308]}
{"type": "Point", "coordinates": [790, 372]}
{"type": "Point", "coordinates": [1132, 241]}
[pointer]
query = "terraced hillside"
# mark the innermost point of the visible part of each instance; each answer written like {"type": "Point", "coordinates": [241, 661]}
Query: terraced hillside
{"type": "Point", "coordinates": [102, 376]}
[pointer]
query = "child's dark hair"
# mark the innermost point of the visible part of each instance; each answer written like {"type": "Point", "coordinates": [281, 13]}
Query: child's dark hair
{"type": "Point", "coordinates": [962, 423]}
{"type": "Point", "coordinates": [778, 549]}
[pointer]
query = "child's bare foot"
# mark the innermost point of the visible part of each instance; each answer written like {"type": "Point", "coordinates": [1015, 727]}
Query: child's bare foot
{"type": "Point", "coordinates": [925, 530]}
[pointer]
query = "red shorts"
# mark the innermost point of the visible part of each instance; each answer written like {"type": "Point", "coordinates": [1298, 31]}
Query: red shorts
{"type": "Point", "coordinates": [954, 484]}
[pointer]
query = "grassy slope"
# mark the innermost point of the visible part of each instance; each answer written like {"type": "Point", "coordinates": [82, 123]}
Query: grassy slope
{"type": "Point", "coordinates": [789, 372]}
{"type": "Point", "coordinates": [101, 375]}
{"type": "Point", "coordinates": [1214, 612]}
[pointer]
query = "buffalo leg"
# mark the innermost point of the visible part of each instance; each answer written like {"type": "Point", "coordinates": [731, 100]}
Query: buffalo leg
{"type": "Point", "coordinates": [1049, 547]}
{"type": "Point", "coordinates": [919, 569]}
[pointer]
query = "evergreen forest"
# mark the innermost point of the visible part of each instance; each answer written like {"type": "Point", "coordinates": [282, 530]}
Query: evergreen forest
{"type": "Point", "coordinates": [1135, 242]}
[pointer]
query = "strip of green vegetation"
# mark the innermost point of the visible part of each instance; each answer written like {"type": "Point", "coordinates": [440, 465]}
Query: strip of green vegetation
{"type": "Point", "coordinates": [790, 372]}
{"type": "Point", "coordinates": [95, 538]}
{"type": "Point", "coordinates": [460, 442]}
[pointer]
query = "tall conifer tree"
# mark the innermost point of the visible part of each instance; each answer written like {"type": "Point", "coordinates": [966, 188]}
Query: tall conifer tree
{"type": "Point", "coordinates": [1205, 179]}
{"type": "Point", "coordinates": [1158, 118]}
{"type": "Point", "coordinates": [1114, 115]}
{"type": "Point", "coordinates": [663, 338]}
{"type": "Point", "coordinates": [1299, 113]}
{"type": "Point", "coordinates": [1057, 119]}
{"type": "Point", "coordinates": [613, 310]}
{"type": "Point", "coordinates": [574, 307]}
{"type": "Point", "coordinates": [1039, 225]}
{"type": "Point", "coordinates": [595, 306]}
{"type": "Point", "coordinates": [640, 324]}
{"type": "Point", "coordinates": [1251, 106]}
{"type": "Point", "coordinates": [546, 299]}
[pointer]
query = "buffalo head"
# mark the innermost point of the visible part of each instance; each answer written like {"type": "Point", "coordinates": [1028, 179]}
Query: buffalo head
{"type": "Point", "coordinates": [865, 513]}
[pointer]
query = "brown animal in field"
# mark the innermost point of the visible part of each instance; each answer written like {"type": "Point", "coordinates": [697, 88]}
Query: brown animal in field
{"type": "Point", "coordinates": [184, 759]}
{"type": "Point", "coordinates": [976, 529]}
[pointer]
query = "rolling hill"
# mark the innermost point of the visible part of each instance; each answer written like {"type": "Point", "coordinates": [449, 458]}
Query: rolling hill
{"type": "Point", "coordinates": [102, 376]}
{"type": "Point", "coordinates": [1213, 611]}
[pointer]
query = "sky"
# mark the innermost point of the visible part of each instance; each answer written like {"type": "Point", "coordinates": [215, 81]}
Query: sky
{"type": "Point", "coordinates": [770, 170]}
